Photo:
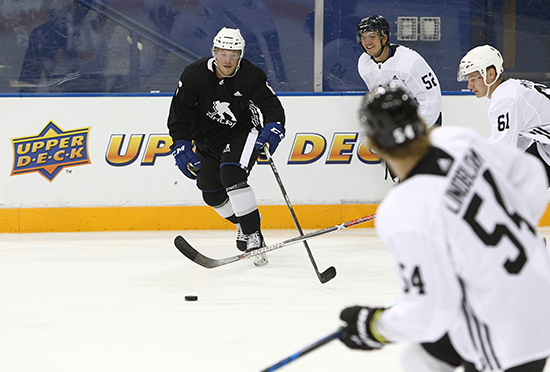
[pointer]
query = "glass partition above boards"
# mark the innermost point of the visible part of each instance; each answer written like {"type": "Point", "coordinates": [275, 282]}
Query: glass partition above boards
{"type": "Point", "coordinates": [142, 46]}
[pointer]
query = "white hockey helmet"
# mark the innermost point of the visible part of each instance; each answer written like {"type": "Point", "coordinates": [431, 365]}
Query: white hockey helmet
{"type": "Point", "coordinates": [479, 59]}
{"type": "Point", "coordinates": [230, 39]}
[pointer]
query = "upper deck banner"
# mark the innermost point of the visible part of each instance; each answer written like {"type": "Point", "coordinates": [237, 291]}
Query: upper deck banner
{"type": "Point", "coordinates": [115, 151]}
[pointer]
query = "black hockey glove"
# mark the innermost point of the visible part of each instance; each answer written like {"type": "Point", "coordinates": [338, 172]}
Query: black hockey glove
{"type": "Point", "coordinates": [272, 134]}
{"type": "Point", "coordinates": [359, 332]}
{"type": "Point", "coordinates": [186, 159]}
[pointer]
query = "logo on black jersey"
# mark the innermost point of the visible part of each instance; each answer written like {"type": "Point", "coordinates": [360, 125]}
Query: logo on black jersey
{"type": "Point", "coordinates": [222, 114]}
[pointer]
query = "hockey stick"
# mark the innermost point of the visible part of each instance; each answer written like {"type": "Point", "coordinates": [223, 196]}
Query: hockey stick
{"type": "Point", "coordinates": [329, 273]}
{"type": "Point", "coordinates": [325, 340]}
{"type": "Point", "coordinates": [188, 251]}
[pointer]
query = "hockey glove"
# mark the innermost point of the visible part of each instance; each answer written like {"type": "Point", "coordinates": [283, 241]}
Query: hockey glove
{"type": "Point", "coordinates": [359, 332]}
{"type": "Point", "coordinates": [186, 159]}
{"type": "Point", "coordinates": [271, 135]}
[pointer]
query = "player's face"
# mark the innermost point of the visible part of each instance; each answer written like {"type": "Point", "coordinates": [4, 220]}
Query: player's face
{"type": "Point", "coordinates": [227, 60]}
{"type": "Point", "coordinates": [476, 84]}
{"type": "Point", "coordinates": [372, 42]}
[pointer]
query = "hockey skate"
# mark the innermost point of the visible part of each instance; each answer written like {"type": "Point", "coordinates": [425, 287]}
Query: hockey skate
{"type": "Point", "coordinates": [242, 238]}
{"type": "Point", "coordinates": [256, 241]}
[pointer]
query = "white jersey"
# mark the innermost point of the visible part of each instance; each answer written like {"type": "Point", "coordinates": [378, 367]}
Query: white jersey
{"type": "Point", "coordinates": [519, 110]}
{"type": "Point", "coordinates": [407, 67]}
{"type": "Point", "coordinates": [462, 231]}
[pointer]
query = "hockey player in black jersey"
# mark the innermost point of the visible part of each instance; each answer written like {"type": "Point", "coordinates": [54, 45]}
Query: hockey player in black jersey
{"type": "Point", "coordinates": [222, 115]}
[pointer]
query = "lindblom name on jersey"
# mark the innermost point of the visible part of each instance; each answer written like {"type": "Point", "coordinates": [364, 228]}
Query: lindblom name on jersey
{"type": "Point", "coordinates": [50, 151]}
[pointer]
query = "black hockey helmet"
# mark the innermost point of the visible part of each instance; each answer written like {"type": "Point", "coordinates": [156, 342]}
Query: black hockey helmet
{"type": "Point", "coordinates": [375, 23]}
{"type": "Point", "coordinates": [390, 116]}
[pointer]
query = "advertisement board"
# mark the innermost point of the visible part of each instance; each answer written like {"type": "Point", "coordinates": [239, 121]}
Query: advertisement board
{"type": "Point", "coordinates": [109, 152]}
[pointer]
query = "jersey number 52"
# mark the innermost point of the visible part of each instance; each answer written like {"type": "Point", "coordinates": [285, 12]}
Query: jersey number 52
{"type": "Point", "coordinates": [429, 80]}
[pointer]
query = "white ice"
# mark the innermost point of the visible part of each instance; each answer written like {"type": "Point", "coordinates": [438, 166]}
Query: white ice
{"type": "Point", "coordinates": [78, 302]}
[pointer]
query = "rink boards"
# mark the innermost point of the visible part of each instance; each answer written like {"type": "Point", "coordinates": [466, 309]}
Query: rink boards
{"type": "Point", "coordinates": [96, 163]}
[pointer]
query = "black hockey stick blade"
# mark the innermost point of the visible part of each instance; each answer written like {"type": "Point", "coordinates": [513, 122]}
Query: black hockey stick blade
{"type": "Point", "coordinates": [327, 275]}
{"type": "Point", "coordinates": [325, 340]}
{"type": "Point", "coordinates": [188, 251]}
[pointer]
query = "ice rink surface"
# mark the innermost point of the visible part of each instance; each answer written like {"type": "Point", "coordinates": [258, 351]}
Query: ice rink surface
{"type": "Point", "coordinates": [114, 301]}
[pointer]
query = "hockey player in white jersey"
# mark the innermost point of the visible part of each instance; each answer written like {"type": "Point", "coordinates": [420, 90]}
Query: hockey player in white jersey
{"type": "Point", "coordinates": [461, 228]}
{"type": "Point", "coordinates": [382, 63]}
{"type": "Point", "coordinates": [519, 110]}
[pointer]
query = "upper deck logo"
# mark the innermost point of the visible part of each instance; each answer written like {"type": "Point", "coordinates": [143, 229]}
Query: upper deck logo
{"type": "Point", "coordinates": [50, 151]}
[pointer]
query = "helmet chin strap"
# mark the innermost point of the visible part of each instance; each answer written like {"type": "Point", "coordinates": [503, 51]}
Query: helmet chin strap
{"type": "Point", "coordinates": [488, 85]}
{"type": "Point", "coordinates": [381, 50]}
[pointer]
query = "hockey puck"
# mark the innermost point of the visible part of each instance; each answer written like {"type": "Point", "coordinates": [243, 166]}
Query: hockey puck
{"type": "Point", "coordinates": [191, 298]}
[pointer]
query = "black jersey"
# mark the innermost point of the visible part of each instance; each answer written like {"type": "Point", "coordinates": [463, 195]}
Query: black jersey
{"type": "Point", "coordinates": [211, 110]}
